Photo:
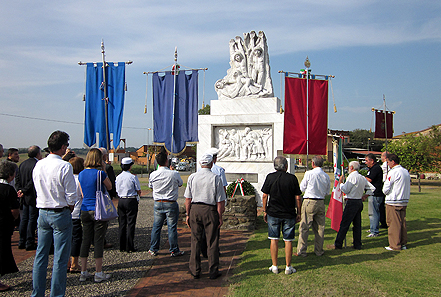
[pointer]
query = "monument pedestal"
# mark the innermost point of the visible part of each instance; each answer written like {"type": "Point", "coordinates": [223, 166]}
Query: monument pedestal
{"type": "Point", "coordinates": [248, 133]}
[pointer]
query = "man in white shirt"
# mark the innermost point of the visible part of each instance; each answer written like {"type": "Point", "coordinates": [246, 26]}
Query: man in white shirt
{"type": "Point", "coordinates": [397, 191]}
{"type": "Point", "coordinates": [354, 188]}
{"type": "Point", "coordinates": [165, 184]}
{"type": "Point", "coordinates": [56, 196]}
{"type": "Point", "coordinates": [316, 184]}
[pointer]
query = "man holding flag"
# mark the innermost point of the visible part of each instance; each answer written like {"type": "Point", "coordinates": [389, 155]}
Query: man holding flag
{"type": "Point", "coordinates": [354, 188]}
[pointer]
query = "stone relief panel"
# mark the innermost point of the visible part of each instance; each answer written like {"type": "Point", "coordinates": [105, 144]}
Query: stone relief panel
{"type": "Point", "coordinates": [244, 143]}
{"type": "Point", "coordinates": [249, 75]}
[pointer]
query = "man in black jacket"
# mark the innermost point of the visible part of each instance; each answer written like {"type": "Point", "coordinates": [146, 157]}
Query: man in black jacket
{"type": "Point", "coordinates": [375, 177]}
{"type": "Point", "coordinates": [28, 196]}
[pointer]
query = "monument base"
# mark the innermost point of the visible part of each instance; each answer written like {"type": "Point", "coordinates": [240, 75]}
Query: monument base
{"type": "Point", "coordinates": [248, 133]}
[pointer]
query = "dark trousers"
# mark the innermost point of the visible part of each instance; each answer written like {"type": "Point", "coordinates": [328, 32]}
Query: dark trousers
{"type": "Point", "coordinates": [77, 237]}
{"type": "Point", "coordinates": [204, 219]}
{"type": "Point", "coordinates": [127, 214]}
{"type": "Point", "coordinates": [351, 214]}
{"type": "Point", "coordinates": [28, 225]}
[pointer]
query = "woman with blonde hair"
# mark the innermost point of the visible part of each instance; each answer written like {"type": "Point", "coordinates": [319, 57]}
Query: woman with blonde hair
{"type": "Point", "coordinates": [92, 229]}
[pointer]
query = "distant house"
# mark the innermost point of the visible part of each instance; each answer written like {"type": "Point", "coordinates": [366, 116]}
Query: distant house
{"type": "Point", "coordinates": [140, 157]}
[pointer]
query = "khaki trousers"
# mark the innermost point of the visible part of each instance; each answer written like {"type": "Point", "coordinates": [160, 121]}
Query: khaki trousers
{"type": "Point", "coordinates": [313, 215]}
{"type": "Point", "coordinates": [396, 221]}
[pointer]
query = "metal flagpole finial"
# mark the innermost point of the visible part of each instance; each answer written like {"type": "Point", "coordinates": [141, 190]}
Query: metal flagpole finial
{"type": "Point", "coordinates": [307, 63]}
{"type": "Point", "coordinates": [176, 54]}
{"type": "Point", "coordinates": [102, 46]}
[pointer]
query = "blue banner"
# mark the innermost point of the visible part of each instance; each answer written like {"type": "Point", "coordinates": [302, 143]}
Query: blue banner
{"type": "Point", "coordinates": [95, 119]}
{"type": "Point", "coordinates": [183, 128]}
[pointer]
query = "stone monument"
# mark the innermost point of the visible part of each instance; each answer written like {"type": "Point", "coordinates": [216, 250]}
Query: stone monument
{"type": "Point", "coordinates": [245, 122]}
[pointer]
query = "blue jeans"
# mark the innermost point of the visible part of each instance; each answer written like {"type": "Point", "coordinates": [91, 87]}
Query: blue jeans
{"type": "Point", "coordinates": [287, 225]}
{"type": "Point", "coordinates": [56, 225]}
{"type": "Point", "coordinates": [162, 211]}
{"type": "Point", "coordinates": [28, 224]}
{"type": "Point", "coordinates": [374, 213]}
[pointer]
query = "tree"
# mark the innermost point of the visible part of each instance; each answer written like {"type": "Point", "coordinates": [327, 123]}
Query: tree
{"type": "Point", "coordinates": [419, 153]}
{"type": "Point", "coordinates": [205, 110]}
{"type": "Point", "coordinates": [360, 138]}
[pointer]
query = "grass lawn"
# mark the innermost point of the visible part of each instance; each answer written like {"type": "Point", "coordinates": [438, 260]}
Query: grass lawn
{"type": "Point", "coordinates": [372, 271]}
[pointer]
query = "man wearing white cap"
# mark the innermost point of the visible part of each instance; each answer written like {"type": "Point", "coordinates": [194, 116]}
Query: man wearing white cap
{"type": "Point", "coordinates": [129, 190]}
{"type": "Point", "coordinates": [205, 204]}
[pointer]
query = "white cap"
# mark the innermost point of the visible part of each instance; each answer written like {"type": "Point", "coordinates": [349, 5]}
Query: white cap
{"type": "Point", "coordinates": [127, 161]}
{"type": "Point", "coordinates": [212, 151]}
{"type": "Point", "coordinates": [206, 159]}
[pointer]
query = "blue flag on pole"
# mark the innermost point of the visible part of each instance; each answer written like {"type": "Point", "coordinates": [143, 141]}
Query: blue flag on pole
{"type": "Point", "coordinates": [95, 118]}
{"type": "Point", "coordinates": [183, 128]}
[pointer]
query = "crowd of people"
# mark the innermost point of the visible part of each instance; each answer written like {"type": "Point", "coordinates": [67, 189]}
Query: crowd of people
{"type": "Point", "coordinates": [387, 187]}
{"type": "Point", "coordinates": [58, 193]}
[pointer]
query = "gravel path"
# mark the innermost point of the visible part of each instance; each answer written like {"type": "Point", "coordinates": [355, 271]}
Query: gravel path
{"type": "Point", "coordinates": [126, 269]}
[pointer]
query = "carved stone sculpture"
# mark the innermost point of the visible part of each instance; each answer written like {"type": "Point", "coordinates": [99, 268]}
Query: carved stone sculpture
{"type": "Point", "coordinates": [249, 75]}
{"type": "Point", "coordinates": [247, 144]}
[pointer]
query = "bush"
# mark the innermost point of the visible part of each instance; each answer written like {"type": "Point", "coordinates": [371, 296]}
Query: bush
{"type": "Point", "coordinates": [248, 189]}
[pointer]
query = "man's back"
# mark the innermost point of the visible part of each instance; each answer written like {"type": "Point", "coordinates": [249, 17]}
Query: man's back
{"type": "Point", "coordinates": [165, 183]}
{"type": "Point", "coordinates": [316, 183]}
{"type": "Point", "coordinates": [205, 186]}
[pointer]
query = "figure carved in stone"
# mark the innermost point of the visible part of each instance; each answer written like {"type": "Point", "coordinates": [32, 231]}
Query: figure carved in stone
{"type": "Point", "coordinates": [248, 144]}
{"type": "Point", "coordinates": [249, 75]}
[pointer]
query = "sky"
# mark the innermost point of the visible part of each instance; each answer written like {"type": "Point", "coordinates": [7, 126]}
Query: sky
{"type": "Point", "coordinates": [374, 48]}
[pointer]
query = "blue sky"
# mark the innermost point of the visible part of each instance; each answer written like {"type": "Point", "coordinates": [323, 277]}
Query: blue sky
{"type": "Point", "coordinates": [372, 48]}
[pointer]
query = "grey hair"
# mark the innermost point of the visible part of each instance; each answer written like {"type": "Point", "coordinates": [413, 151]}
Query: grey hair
{"type": "Point", "coordinates": [280, 163]}
{"type": "Point", "coordinates": [355, 165]}
{"type": "Point", "coordinates": [318, 161]}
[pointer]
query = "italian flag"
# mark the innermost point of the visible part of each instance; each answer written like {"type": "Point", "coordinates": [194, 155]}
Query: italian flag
{"type": "Point", "coordinates": [335, 208]}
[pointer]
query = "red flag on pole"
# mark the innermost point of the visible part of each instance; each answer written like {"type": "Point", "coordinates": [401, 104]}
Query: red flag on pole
{"type": "Point", "coordinates": [383, 121]}
{"type": "Point", "coordinates": [294, 136]}
{"type": "Point", "coordinates": [335, 208]}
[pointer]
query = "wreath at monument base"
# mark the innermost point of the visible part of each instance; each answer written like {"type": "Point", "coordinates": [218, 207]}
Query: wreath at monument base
{"type": "Point", "coordinates": [240, 187]}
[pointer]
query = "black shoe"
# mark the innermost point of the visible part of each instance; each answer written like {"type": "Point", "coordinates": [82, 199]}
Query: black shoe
{"type": "Point", "coordinates": [195, 276]}
{"type": "Point", "coordinates": [21, 246]}
{"type": "Point", "coordinates": [32, 247]}
{"type": "Point", "coordinates": [216, 275]}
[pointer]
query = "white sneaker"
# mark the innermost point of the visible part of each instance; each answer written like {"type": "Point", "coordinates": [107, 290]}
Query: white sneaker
{"type": "Point", "coordinates": [290, 269]}
{"type": "Point", "coordinates": [403, 247]}
{"type": "Point", "coordinates": [274, 269]}
{"type": "Point", "coordinates": [373, 235]}
{"type": "Point", "coordinates": [389, 248]}
{"type": "Point", "coordinates": [101, 276]}
{"type": "Point", "coordinates": [84, 276]}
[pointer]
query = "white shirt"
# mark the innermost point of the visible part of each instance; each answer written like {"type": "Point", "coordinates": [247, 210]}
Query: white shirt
{"type": "Point", "coordinates": [77, 209]}
{"type": "Point", "coordinates": [206, 187]}
{"type": "Point", "coordinates": [216, 169]}
{"type": "Point", "coordinates": [385, 169]}
{"type": "Point", "coordinates": [54, 182]}
{"type": "Point", "coordinates": [316, 184]}
{"type": "Point", "coordinates": [355, 186]}
{"type": "Point", "coordinates": [397, 186]}
{"type": "Point", "coordinates": [127, 185]}
{"type": "Point", "coordinates": [165, 184]}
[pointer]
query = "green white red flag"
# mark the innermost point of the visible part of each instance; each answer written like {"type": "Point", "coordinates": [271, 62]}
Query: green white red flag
{"type": "Point", "coordinates": [335, 208]}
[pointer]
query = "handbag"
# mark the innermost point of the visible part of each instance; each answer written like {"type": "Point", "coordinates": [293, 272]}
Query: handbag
{"type": "Point", "coordinates": [104, 208]}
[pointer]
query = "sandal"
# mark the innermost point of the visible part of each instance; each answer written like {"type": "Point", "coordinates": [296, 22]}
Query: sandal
{"type": "Point", "coordinates": [4, 287]}
{"type": "Point", "coordinates": [75, 270]}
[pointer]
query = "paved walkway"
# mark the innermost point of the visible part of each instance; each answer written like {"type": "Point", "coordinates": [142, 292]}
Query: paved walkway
{"type": "Point", "coordinates": [169, 276]}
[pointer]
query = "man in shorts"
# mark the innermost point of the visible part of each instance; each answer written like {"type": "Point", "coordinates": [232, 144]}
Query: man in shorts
{"type": "Point", "coordinates": [281, 209]}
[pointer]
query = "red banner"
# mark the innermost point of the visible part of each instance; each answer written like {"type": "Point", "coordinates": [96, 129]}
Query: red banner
{"type": "Point", "coordinates": [382, 122]}
{"type": "Point", "coordinates": [294, 136]}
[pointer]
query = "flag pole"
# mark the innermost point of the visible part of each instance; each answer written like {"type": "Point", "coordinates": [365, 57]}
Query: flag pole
{"type": "Point", "coordinates": [175, 66]}
{"type": "Point", "coordinates": [106, 100]}
{"type": "Point", "coordinates": [307, 65]}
